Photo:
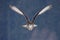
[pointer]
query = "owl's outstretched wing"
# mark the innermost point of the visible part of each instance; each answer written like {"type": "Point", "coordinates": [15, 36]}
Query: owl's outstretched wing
{"type": "Point", "coordinates": [42, 11]}
{"type": "Point", "coordinates": [14, 8]}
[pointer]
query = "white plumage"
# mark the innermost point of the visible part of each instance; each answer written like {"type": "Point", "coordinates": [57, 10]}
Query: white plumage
{"type": "Point", "coordinates": [30, 24]}
{"type": "Point", "coordinates": [45, 9]}
{"type": "Point", "coordinates": [16, 9]}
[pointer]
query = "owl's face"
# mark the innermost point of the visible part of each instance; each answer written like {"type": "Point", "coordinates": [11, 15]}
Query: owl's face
{"type": "Point", "coordinates": [30, 26]}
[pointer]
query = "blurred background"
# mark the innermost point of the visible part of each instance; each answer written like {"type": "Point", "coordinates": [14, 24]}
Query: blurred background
{"type": "Point", "coordinates": [11, 23]}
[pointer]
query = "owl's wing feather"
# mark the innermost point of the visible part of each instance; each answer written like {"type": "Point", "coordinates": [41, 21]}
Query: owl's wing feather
{"type": "Point", "coordinates": [14, 8]}
{"type": "Point", "coordinates": [42, 11]}
{"type": "Point", "coordinates": [45, 9]}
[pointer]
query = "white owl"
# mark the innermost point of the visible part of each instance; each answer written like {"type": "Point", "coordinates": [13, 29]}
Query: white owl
{"type": "Point", "coordinates": [30, 24]}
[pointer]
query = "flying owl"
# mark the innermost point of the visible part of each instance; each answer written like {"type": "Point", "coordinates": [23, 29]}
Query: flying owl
{"type": "Point", "coordinates": [30, 24]}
